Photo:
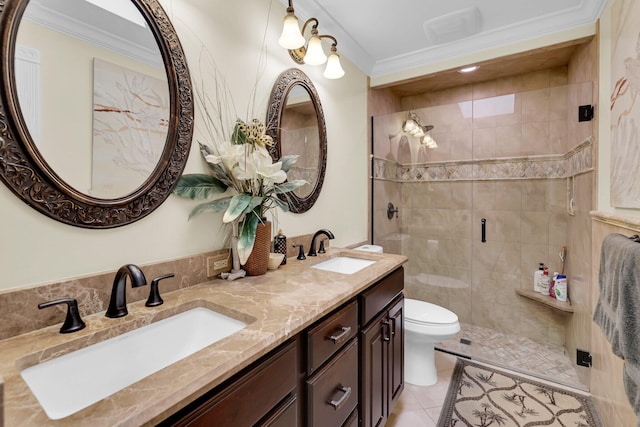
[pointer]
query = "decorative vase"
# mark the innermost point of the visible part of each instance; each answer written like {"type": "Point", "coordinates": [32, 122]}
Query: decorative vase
{"type": "Point", "coordinates": [258, 261]}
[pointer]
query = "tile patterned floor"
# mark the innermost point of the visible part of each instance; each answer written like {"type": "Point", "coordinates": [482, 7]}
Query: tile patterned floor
{"type": "Point", "coordinates": [516, 353]}
{"type": "Point", "coordinates": [421, 406]}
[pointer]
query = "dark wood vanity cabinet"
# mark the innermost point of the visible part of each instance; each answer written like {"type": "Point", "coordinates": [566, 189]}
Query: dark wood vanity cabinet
{"type": "Point", "coordinates": [345, 370]}
{"type": "Point", "coordinates": [266, 394]}
{"type": "Point", "coordinates": [381, 349]}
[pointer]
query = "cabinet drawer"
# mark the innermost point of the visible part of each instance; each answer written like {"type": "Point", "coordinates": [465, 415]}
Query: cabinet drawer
{"type": "Point", "coordinates": [332, 392]}
{"type": "Point", "coordinates": [245, 401]}
{"type": "Point", "coordinates": [285, 414]}
{"type": "Point", "coordinates": [324, 339]}
{"type": "Point", "coordinates": [376, 298]}
{"type": "Point", "coordinates": [352, 421]}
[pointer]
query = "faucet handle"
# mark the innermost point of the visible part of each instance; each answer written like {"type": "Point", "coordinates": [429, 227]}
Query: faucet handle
{"type": "Point", "coordinates": [301, 255]}
{"type": "Point", "coordinates": [321, 250]}
{"type": "Point", "coordinates": [154, 294]}
{"type": "Point", "coordinates": [72, 322]}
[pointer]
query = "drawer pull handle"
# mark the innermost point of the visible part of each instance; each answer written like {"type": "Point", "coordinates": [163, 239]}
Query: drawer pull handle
{"type": "Point", "coordinates": [386, 329]}
{"type": "Point", "coordinates": [344, 332]}
{"type": "Point", "coordinates": [338, 403]}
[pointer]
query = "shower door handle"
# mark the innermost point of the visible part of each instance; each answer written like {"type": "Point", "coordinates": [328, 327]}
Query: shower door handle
{"type": "Point", "coordinates": [483, 221]}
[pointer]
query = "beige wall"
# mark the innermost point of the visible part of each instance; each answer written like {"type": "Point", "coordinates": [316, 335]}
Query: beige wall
{"type": "Point", "coordinates": [37, 249]}
{"type": "Point", "coordinates": [606, 373]}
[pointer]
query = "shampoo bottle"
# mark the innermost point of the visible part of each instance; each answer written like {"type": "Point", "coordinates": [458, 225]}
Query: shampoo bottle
{"type": "Point", "coordinates": [552, 291]}
{"type": "Point", "coordinates": [537, 277]}
{"type": "Point", "coordinates": [545, 283]}
{"type": "Point", "coordinates": [561, 288]}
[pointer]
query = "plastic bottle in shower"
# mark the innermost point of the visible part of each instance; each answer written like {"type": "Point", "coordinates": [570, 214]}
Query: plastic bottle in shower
{"type": "Point", "coordinates": [552, 288]}
{"type": "Point", "coordinates": [545, 283]}
{"type": "Point", "coordinates": [537, 277]}
{"type": "Point", "coordinates": [561, 288]}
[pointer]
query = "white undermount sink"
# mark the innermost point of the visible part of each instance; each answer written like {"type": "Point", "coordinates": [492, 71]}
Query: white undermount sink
{"type": "Point", "coordinates": [344, 264]}
{"type": "Point", "coordinates": [76, 380]}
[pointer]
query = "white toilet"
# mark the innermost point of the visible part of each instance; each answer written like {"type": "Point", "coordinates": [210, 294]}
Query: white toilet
{"type": "Point", "coordinates": [424, 325]}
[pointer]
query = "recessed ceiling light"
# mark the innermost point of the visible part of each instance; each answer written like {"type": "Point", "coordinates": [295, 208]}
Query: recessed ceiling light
{"type": "Point", "coordinates": [468, 69]}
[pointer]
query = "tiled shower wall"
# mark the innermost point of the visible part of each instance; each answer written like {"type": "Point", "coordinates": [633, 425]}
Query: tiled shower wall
{"type": "Point", "coordinates": [505, 148]}
{"type": "Point", "coordinates": [450, 266]}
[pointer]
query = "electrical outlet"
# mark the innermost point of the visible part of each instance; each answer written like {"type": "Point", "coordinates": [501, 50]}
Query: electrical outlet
{"type": "Point", "coordinates": [218, 263]}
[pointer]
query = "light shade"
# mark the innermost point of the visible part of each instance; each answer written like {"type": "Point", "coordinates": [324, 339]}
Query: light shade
{"type": "Point", "coordinates": [315, 55]}
{"type": "Point", "coordinates": [417, 132]}
{"type": "Point", "coordinates": [334, 68]}
{"type": "Point", "coordinates": [409, 125]}
{"type": "Point", "coordinates": [291, 37]}
{"type": "Point", "coordinates": [429, 142]}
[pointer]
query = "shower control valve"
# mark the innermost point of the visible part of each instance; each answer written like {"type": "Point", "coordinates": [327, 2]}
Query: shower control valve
{"type": "Point", "coordinates": [391, 210]}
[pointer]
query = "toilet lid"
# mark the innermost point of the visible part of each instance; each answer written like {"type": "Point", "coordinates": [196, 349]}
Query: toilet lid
{"type": "Point", "coordinates": [424, 312]}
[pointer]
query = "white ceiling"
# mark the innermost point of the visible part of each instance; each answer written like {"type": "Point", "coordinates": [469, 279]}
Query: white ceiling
{"type": "Point", "coordinates": [383, 37]}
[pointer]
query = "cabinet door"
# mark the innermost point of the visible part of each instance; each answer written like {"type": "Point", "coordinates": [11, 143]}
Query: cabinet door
{"type": "Point", "coordinates": [396, 352]}
{"type": "Point", "coordinates": [374, 372]}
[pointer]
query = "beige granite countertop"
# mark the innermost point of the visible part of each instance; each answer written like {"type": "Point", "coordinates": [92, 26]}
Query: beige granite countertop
{"type": "Point", "coordinates": [275, 306]}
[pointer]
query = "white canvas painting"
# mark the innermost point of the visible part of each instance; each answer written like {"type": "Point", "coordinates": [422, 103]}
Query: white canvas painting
{"type": "Point", "coordinates": [130, 122]}
{"type": "Point", "coordinates": [625, 105]}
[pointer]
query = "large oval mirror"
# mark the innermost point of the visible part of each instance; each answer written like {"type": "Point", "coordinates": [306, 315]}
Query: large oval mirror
{"type": "Point", "coordinates": [98, 107]}
{"type": "Point", "coordinates": [295, 121]}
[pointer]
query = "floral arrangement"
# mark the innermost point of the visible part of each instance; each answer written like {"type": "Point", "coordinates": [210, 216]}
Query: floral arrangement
{"type": "Point", "coordinates": [242, 170]}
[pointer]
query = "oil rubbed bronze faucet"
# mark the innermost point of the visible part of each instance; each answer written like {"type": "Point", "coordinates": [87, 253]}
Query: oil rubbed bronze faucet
{"type": "Point", "coordinates": [118, 302]}
{"type": "Point", "coordinates": [312, 248]}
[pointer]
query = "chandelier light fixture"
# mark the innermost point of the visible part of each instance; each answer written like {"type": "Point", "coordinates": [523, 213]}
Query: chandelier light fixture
{"type": "Point", "coordinates": [310, 51]}
{"type": "Point", "coordinates": [414, 127]}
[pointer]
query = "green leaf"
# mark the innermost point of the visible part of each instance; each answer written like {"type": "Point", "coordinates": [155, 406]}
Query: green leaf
{"type": "Point", "coordinates": [219, 205]}
{"type": "Point", "coordinates": [205, 150]}
{"type": "Point", "coordinates": [285, 187]}
{"type": "Point", "coordinates": [281, 204]}
{"type": "Point", "coordinates": [255, 202]}
{"type": "Point", "coordinates": [199, 186]}
{"type": "Point", "coordinates": [247, 237]}
{"type": "Point", "coordinates": [237, 207]}
{"type": "Point", "coordinates": [220, 173]}
{"type": "Point", "coordinates": [288, 161]}
{"type": "Point", "coordinates": [238, 136]}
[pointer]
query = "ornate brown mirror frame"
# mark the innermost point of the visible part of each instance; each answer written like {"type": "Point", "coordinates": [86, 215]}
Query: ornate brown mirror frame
{"type": "Point", "coordinates": [277, 103]}
{"type": "Point", "coordinates": [28, 175]}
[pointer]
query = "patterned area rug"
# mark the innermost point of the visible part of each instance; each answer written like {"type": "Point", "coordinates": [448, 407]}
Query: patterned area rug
{"type": "Point", "coordinates": [481, 396]}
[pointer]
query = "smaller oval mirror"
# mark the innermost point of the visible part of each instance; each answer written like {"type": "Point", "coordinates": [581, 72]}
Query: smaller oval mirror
{"type": "Point", "coordinates": [295, 121]}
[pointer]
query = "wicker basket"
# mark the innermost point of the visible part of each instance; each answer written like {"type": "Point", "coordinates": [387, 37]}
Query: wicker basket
{"type": "Point", "coordinates": [258, 261]}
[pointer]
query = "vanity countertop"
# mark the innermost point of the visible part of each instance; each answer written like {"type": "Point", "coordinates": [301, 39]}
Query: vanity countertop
{"type": "Point", "coordinates": [275, 306]}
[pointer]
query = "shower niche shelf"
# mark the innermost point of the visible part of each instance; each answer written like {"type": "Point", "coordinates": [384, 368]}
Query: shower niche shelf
{"type": "Point", "coordinates": [546, 300]}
